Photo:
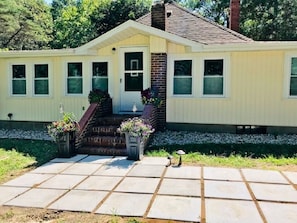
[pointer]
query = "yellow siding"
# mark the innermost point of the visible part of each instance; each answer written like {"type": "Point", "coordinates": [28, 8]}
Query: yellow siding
{"type": "Point", "coordinates": [256, 95]}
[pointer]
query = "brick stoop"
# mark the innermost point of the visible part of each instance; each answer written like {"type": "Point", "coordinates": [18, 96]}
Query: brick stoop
{"type": "Point", "coordinates": [103, 138]}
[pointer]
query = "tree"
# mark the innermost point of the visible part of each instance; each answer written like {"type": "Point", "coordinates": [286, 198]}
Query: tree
{"type": "Point", "coordinates": [79, 21]}
{"type": "Point", "coordinates": [72, 23]}
{"type": "Point", "coordinates": [114, 13]}
{"type": "Point", "coordinates": [25, 24]}
{"type": "Point", "coordinates": [269, 20]}
{"type": "Point", "coordinates": [214, 10]}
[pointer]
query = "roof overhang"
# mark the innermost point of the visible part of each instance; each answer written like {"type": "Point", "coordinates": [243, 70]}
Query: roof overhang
{"type": "Point", "coordinates": [251, 46]}
{"type": "Point", "coordinates": [132, 28]}
{"type": "Point", "coordinates": [129, 29]}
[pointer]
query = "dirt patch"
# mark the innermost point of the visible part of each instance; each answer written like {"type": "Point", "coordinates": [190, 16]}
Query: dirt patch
{"type": "Point", "coordinates": [35, 215]}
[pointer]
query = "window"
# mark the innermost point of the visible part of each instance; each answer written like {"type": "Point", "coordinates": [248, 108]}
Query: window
{"type": "Point", "coordinates": [100, 76]}
{"type": "Point", "coordinates": [293, 77]}
{"type": "Point", "coordinates": [182, 81]}
{"type": "Point", "coordinates": [213, 82]}
{"type": "Point", "coordinates": [41, 79]}
{"type": "Point", "coordinates": [18, 79]}
{"type": "Point", "coordinates": [134, 71]}
{"type": "Point", "coordinates": [74, 78]}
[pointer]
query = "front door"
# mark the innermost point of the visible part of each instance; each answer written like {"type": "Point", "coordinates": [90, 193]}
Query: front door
{"type": "Point", "coordinates": [134, 76]}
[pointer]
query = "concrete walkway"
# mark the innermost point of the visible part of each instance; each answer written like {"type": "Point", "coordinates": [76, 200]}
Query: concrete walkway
{"type": "Point", "coordinates": [149, 189]}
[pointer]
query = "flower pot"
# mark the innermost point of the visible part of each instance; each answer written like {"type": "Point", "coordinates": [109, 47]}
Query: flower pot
{"type": "Point", "coordinates": [66, 145]}
{"type": "Point", "coordinates": [135, 147]}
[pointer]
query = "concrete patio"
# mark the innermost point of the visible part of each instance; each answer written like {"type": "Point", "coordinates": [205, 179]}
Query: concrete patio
{"type": "Point", "coordinates": [149, 189]}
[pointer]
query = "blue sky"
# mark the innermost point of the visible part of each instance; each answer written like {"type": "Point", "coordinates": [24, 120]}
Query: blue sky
{"type": "Point", "coordinates": [48, 1]}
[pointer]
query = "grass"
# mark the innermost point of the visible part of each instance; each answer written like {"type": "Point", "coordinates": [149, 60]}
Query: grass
{"type": "Point", "coordinates": [232, 155]}
{"type": "Point", "coordinates": [17, 156]}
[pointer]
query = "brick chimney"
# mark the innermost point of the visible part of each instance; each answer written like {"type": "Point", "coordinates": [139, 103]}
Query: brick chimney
{"type": "Point", "coordinates": [158, 15]}
{"type": "Point", "coordinates": [234, 15]}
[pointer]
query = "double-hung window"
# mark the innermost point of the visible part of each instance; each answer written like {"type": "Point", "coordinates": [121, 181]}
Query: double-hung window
{"type": "Point", "coordinates": [182, 80]}
{"type": "Point", "coordinates": [41, 86]}
{"type": "Point", "coordinates": [74, 78]}
{"type": "Point", "coordinates": [293, 77]}
{"type": "Point", "coordinates": [213, 78]}
{"type": "Point", "coordinates": [100, 76]}
{"type": "Point", "coordinates": [19, 79]}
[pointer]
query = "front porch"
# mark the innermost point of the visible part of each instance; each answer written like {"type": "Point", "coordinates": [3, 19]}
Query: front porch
{"type": "Point", "coordinates": [98, 129]}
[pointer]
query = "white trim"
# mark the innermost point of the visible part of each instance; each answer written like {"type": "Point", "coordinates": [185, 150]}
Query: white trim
{"type": "Point", "coordinates": [226, 76]}
{"type": "Point", "coordinates": [198, 74]}
{"type": "Point", "coordinates": [287, 75]}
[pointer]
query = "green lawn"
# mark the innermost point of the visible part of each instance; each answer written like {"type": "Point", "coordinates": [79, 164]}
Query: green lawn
{"type": "Point", "coordinates": [18, 156]}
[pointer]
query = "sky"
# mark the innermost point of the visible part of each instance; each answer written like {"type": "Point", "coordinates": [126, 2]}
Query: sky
{"type": "Point", "coordinates": [48, 1]}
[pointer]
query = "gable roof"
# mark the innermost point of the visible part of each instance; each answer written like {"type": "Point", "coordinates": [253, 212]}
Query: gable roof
{"type": "Point", "coordinates": [186, 24]}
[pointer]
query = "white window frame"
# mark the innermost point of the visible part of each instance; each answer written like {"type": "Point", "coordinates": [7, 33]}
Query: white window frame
{"type": "Point", "coordinates": [74, 77]}
{"type": "Point", "coordinates": [226, 71]}
{"type": "Point", "coordinates": [170, 81]}
{"type": "Point", "coordinates": [287, 72]}
{"type": "Point", "coordinates": [48, 79]}
{"type": "Point", "coordinates": [100, 77]}
{"type": "Point", "coordinates": [11, 79]}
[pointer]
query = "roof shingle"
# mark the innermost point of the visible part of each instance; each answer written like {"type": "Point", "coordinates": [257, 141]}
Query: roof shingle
{"type": "Point", "coordinates": [188, 25]}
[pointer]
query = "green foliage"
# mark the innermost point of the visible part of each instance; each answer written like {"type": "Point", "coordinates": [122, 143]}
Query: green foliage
{"type": "Point", "coordinates": [112, 14]}
{"type": "Point", "coordinates": [269, 20]}
{"type": "Point", "coordinates": [217, 11]}
{"type": "Point", "coordinates": [97, 96]}
{"type": "Point", "coordinates": [78, 21]}
{"type": "Point", "coordinates": [25, 24]}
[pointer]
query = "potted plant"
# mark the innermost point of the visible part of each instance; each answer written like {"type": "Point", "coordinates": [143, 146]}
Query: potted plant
{"type": "Point", "coordinates": [136, 133]}
{"type": "Point", "coordinates": [63, 132]}
{"type": "Point", "coordinates": [150, 96]}
{"type": "Point", "coordinates": [98, 96]}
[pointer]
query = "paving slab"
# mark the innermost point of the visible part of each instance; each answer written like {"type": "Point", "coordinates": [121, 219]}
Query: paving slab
{"type": "Point", "coordinates": [38, 198]}
{"type": "Point", "coordinates": [99, 183]}
{"type": "Point", "coordinates": [79, 200]}
{"type": "Point", "coordinates": [53, 168]}
{"type": "Point", "coordinates": [279, 212]}
{"type": "Point", "coordinates": [180, 187]}
{"type": "Point", "coordinates": [29, 180]}
{"type": "Point", "coordinates": [218, 173]}
{"type": "Point", "coordinates": [176, 208]}
{"type": "Point", "coordinates": [146, 171]}
{"type": "Point", "coordinates": [292, 176]}
{"type": "Point", "coordinates": [117, 167]}
{"type": "Point", "coordinates": [96, 159]}
{"type": "Point", "coordinates": [274, 192]}
{"type": "Point", "coordinates": [225, 189]}
{"type": "Point", "coordinates": [8, 193]}
{"type": "Point", "coordinates": [265, 176]}
{"type": "Point", "coordinates": [231, 211]}
{"type": "Point", "coordinates": [163, 161]}
{"type": "Point", "coordinates": [62, 182]}
{"type": "Point", "coordinates": [186, 172]}
{"type": "Point", "coordinates": [126, 204]}
{"type": "Point", "coordinates": [138, 185]}
{"type": "Point", "coordinates": [82, 169]}
{"type": "Point", "coordinates": [69, 160]}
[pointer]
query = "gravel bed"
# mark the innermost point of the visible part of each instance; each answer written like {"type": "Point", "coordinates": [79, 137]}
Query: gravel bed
{"type": "Point", "coordinates": [184, 137]}
{"type": "Point", "coordinates": [24, 134]}
{"type": "Point", "coordinates": [177, 137]}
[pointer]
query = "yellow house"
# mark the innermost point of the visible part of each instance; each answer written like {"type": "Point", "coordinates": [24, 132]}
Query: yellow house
{"type": "Point", "coordinates": [209, 77]}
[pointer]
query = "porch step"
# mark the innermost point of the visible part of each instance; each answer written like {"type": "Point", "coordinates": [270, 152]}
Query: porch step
{"type": "Point", "coordinates": [107, 151]}
{"type": "Point", "coordinates": [103, 138]}
{"type": "Point", "coordinates": [105, 141]}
